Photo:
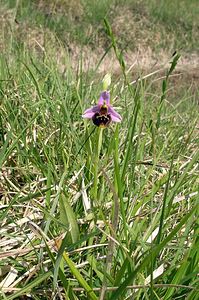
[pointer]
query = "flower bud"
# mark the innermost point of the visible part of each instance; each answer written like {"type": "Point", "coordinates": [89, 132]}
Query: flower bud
{"type": "Point", "coordinates": [106, 81]}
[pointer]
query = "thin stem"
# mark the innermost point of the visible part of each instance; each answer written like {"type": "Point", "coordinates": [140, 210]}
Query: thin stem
{"type": "Point", "coordinates": [115, 216]}
{"type": "Point", "coordinates": [96, 162]}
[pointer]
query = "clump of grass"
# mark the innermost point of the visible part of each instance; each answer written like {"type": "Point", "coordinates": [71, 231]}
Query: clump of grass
{"type": "Point", "coordinates": [57, 235]}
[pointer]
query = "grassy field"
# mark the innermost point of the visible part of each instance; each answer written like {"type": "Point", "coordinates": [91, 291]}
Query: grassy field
{"type": "Point", "coordinates": [155, 23]}
{"type": "Point", "coordinates": [86, 212]}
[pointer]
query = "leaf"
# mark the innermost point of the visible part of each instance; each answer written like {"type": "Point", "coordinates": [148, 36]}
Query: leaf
{"type": "Point", "coordinates": [173, 64]}
{"type": "Point", "coordinates": [68, 218]}
{"type": "Point", "coordinates": [78, 276]}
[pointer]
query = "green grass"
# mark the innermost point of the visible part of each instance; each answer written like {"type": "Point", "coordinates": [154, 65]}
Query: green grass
{"type": "Point", "coordinates": [78, 206]}
{"type": "Point", "coordinates": [137, 23]}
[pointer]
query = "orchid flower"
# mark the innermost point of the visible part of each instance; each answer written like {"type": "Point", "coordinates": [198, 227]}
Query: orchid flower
{"type": "Point", "coordinates": [103, 113]}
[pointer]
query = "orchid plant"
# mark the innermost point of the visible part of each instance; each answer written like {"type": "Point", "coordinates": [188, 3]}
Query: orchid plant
{"type": "Point", "coordinates": [102, 115]}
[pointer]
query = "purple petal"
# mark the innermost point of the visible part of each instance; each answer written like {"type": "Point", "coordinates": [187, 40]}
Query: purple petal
{"type": "Point", "coordinates": [115, 117]}
{"type": "Point", "coordinates": [89, 113]}
{"type": "Point", "coordinates": [104, 96]}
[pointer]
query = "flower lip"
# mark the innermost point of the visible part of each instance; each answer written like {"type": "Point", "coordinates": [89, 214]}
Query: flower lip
{"type": "Point", "coordinates": [101, 120]}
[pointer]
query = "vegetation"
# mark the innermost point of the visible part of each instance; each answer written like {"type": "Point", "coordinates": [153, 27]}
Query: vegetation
{"type": "Point", "coordinates": [158, 24]}
{"type": "Point", "coordinates": [85, 212]}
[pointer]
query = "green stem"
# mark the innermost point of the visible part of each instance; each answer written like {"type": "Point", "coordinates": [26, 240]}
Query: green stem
{"type": "Point", "coordinates": [96, 162]}
{"type": "Point", "coordinates": [116, 190]}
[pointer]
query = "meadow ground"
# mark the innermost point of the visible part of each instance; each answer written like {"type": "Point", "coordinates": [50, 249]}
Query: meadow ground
{"type": "Point", "coordinates": [91, 213]}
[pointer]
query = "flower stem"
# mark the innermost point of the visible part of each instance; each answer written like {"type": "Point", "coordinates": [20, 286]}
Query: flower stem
{"type": "Point", "coordinates": [96, 161]}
